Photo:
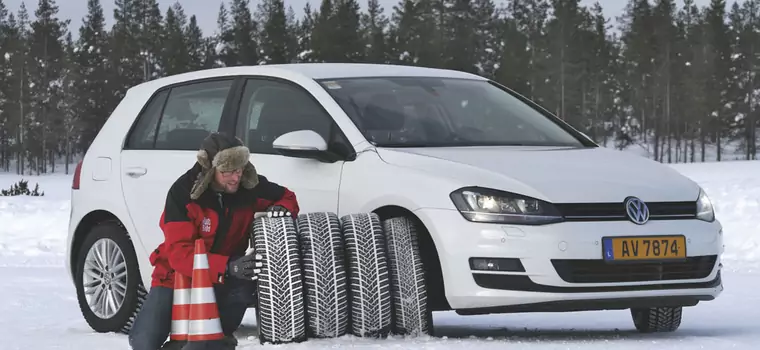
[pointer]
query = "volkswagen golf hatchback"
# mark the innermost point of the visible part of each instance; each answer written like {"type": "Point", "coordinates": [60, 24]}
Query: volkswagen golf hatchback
{"type": "Point", "coordinates": [513, 209]}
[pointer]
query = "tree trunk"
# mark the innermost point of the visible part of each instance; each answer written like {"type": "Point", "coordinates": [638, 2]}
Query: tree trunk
{"type": "Point", "coordinates": [667, 103]}
{"type": "Point", "coordinates": [22, 142]}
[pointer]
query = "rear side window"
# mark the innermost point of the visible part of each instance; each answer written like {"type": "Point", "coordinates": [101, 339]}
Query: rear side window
{"type": "Point", "coordinates": [180, 118]}
{"type": "Point", "coordinates": [144, 134]}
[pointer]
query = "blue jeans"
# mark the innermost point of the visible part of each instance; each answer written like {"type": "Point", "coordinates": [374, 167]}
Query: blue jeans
{"type": "Point", "coordinates": [153, 323]}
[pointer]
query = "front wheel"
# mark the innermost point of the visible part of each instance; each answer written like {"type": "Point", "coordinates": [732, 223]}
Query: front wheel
{"type": "Point", "coordinates": [657, 319]}
{"type": "Point", "coordinates": [108, 285]}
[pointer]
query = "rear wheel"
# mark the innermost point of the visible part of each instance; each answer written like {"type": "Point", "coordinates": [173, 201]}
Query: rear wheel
{"type": "Point", "coordinates": [412, 316]}
{"type": "Point", "coordinates": [657, 319]}
{"type": "Point", "coordinates": [280, 311]}
{"type": "Point", "coordinates": [324, 274]}
{"type": "Point", "coordinates": [369, 283]}
{"type": "Point", "coordinates": [108, 284]}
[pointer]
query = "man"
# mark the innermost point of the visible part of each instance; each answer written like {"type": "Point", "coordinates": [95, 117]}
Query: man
{"type": "Point", "coordinates": [215, 200]}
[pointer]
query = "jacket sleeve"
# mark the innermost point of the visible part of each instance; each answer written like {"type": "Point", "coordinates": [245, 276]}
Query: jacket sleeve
{"type": "Point", "coordinates": [180, 234]}
{"type": "Point", "coordinates": [271, 193]}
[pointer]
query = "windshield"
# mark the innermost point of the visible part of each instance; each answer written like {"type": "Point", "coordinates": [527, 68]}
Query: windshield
{"type": "Point", "coordinates": [439, 112]}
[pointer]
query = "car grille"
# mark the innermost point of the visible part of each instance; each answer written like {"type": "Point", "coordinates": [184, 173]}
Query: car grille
{"type": "Point", "coordinates": [598, 271]}
{"type": "Point", "coordinates": [617, 211]}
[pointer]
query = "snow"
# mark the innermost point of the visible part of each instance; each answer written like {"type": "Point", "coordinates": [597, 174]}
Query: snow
{"type": "Point", "coordinates": [41, 307]}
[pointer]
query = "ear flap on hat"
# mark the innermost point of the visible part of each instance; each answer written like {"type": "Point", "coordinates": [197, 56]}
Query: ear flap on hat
{"type": "Point", "coordinates": [201, 183]}
{"type": "Point", "coordinates": [203, 159]}
{"type": "Point", "coordinates": [250, 177]}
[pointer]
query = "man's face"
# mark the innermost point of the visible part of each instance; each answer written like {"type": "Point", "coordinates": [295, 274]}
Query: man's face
{"type": "Point", "coordinates": [229, 181]}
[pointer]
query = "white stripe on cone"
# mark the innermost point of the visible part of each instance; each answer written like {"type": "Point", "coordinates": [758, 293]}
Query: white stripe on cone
{"type": "Point", "coordinates": [203, 296]}
{"type": "Point", "coordinates": [180, 326]}
{"type": "Point", "coordinates": [205, 327]}
{"type": "Point", "coordinates": [200, 262]}
{"type": "Point", "coordinates": [182, 296]}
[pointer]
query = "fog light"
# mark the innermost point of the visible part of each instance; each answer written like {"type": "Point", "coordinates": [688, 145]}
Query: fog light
{"type": "Point", "coordinates": [496, 264]}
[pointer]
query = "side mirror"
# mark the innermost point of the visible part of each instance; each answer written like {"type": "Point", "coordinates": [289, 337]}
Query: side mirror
{"type": "Point", "coordinates": [303, 144]}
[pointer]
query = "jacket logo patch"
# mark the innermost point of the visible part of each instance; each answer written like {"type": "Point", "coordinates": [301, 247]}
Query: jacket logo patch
{"type": "Point", "coordinates": [206, 225]}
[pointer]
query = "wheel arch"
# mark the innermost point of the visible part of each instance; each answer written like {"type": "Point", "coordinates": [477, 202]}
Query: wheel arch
{"type": "Point", "coordinates": [430, 256]}
{"type": "Point", "coordinates": [92, 219]}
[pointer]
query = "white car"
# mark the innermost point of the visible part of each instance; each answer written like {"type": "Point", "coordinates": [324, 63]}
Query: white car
{"type": "Point", "coordinates": [514, 210]}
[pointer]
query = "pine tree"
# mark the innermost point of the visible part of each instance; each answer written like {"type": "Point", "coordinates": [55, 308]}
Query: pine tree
{"type": "Point", "coordinates": [242, 38]}
{"type": "Point", "coordinates": [67, 105]}
{"type": "Point", "coordinates": [718, 58]}
{"type": "Point", "coordinates": [348, 40]}
{"type": "Point", "coordinates": [47, 57]}
{"type": "Point", "coordinates": [638, 55]}
{"type": "Point", "coordinates": [486, 23]}
{"type": "Point", "coordinates": [197, 47]}
{"type": "Point", "coordinates": [275, 37]}
{"type": "Point", "coordinates": [126, 61]}
{"type": "Point", "coordinates": [304, 36]}
{"type": "Point", "coordinates": [323, 34]}
{"type": "Point", "coordinates": [459, 28]}
{"type": "Point", "coordinates": [93, 104]}
{"type": "Point", "coordinates": [374, 26]}
{"type": "Point", "coordinates": [530, 18]}
{"type": "Point", "coordinates": [17, 54]}
{"type": "Point", "coordinates": [515, 59]}
{"type": "Point", "coordinates": [5, 99]}
{"type": "Point", "coordinates": [175, 55]}
{"type": "Point", "coordinates": [149, 37]}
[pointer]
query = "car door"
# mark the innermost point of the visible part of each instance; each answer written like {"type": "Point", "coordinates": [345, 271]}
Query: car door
{"type": "Point", "coordinates": [163, 145]}
{"type": "Point", "coordinates": [270, 108]}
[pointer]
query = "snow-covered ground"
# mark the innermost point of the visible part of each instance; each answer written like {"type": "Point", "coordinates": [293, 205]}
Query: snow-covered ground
{"type": "Point", "coordinates": [40, 311]}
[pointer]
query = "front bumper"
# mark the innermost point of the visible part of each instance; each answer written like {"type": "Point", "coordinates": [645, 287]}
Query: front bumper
{"type": "Point", "coordinates": [562, 262]}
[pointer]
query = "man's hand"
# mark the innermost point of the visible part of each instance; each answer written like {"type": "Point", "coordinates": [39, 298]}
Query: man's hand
{"type": "Point", "coordinates": [246, 267]}
{"type": "Point", "coordinates": [278, 211]}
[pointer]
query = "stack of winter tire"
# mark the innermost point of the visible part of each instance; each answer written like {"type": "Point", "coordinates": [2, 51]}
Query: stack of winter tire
{"type": "Point", "coordinates": [326, 277]}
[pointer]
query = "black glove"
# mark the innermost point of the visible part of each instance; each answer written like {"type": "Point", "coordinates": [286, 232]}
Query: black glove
{"type": "Point", "coordinates": [278, 211]}
{"type": "Point", "coordinates": [246, 267]}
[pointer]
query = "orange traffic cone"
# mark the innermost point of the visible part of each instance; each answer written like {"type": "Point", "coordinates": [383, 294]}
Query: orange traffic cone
{"type": "Point", "coordinates": [205, 327]}
{"type": "Point", "coordinates": [180, 307]}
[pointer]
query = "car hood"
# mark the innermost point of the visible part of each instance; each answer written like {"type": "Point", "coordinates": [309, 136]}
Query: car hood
{"type": "Point", "coordinates": [555, 174]}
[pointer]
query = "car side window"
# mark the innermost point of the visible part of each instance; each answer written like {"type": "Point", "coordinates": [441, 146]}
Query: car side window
{"type": "Point", "coordinates": [143, 136]}
{"type": "Point", "coordinates": [269, 109]}
{"type": "Point", "coordinates": [191, 113]}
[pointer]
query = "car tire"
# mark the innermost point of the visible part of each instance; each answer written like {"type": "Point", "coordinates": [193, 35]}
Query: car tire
{"type": "Point", "coordinates": [658, 319]}
{"type": "Point", "coordinates": [369, 282]}
{"type": "Point", "coordinates": [121, 283]}
{"type": "Point", "coordinates": [409, 291]}
{"type": "Point", "coordinates": [280, 311]}
{"type": "Point", "coordinates": [324, 274]}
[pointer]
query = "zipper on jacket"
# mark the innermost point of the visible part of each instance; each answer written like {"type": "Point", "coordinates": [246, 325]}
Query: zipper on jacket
{"type": "Point", "coordinates": [224, 225]}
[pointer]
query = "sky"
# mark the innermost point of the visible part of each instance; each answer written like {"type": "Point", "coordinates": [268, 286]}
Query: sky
{"type": "Point", "coordinates": [207, 10]}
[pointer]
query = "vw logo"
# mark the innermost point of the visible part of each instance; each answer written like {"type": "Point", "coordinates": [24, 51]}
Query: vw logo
{"type": "Point", "coordinates": [637, 210]}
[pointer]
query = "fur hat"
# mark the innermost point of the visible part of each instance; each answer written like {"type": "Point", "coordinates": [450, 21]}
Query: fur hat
{"type": "Point", "coordinates": [224, 153]}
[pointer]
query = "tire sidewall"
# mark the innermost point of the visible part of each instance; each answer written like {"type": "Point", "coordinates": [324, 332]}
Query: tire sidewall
{"type": "Point", "coordinates": [120, 322]}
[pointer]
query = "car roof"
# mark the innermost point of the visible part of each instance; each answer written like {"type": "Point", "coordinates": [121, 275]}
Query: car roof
{"type": "Point", "coordinates": [362, 70]}
{"type": "Point", "coordinates": [316, 71]}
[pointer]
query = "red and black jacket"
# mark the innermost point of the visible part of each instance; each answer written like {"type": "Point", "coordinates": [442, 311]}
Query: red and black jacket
{"type": "Point", "coordinates": [222, 220]}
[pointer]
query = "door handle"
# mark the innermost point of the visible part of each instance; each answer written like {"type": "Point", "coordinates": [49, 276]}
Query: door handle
{"type": "Point", "coordinates": [136, 172]}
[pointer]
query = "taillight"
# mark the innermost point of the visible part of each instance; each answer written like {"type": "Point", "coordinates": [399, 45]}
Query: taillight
{"type": "Point", "coordinates": [77, 173]}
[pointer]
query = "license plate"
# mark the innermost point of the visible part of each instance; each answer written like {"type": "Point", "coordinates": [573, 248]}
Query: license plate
{"type": "Point", "coordinates": [644, 248]}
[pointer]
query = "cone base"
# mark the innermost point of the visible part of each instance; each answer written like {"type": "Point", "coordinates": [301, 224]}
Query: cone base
{"type": "Point", "coordinates": [221, 344]}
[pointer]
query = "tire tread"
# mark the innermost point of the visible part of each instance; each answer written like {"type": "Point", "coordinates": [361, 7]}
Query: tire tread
{"type": "Point", "coordinates": [280, 289]}
{"type": "Point", "coordinates": [369, 281]}
{"type": "Point", "coordinates": [325, 282]}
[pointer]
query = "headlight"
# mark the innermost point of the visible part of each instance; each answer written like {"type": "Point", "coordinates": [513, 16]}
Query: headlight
{"type": "Point", "coordinates": [492, 206]}
{"type": "Point", "coordinates": [705, 210]}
